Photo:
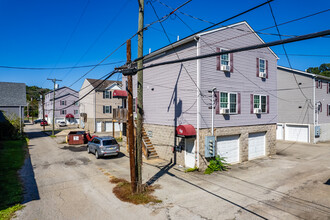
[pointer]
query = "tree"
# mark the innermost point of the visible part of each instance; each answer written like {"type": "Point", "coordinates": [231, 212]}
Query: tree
{"type": "Point", "coordinates": [323, 69]}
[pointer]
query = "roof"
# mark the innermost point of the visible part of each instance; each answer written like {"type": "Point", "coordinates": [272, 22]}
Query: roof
{"type": "Point", "coordinates": [302, 73]}
{"type": "Point", "coordinates": [12, 94]}
{"type": "Point", "coordinates": [104, 85]}
{"type": "Point", "coordinates": [51, 91]}
{"type": "Point", "coordinates": [197, 36]}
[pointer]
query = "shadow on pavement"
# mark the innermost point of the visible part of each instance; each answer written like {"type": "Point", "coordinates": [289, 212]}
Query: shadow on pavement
{"type": "Point", "coordinates": [31, 191]}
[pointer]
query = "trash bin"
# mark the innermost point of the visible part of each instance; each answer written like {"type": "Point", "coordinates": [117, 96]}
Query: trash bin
{"type": "Point", "coordinates": [76, 137]}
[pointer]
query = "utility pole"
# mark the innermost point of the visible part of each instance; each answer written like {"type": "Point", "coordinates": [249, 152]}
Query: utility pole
{"type": "Point", "coordinates": [130, 123]}
{"type": "Point", "coordinates": [54, 81]}
{"type": "Point", "coordinates": [139, 99]}
{"type": "Point", "coordinates": [43, 107]}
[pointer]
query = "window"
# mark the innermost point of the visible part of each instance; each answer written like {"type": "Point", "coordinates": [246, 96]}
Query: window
{"type": "Point", "coordinates": [63, 112]}
{"type": "Point", "coordinates": [134, 104]}
{"type": "Point", "coordinates": [75, 112]}
{"type": "Point", "coordinates": [107, 94]}
{"type": "Point", "coordinates": [262, 66]}
{"type": "Point", "coordinates": [63, 102]}
{"type": "Point", "coordinates": [229, 100]}
{"type": "Point", "coordinates": [260, 102]}
{"type": "Point", "coordinates": [107, 109]}
{"type": "Point", "coordinates": [76, 103]}
{"type": "Point", "coordinates": [224, 58]}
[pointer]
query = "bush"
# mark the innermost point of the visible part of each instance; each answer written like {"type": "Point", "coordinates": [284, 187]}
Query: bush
{"type": "Point", "coordinates": [217, 164]}
{"type": "Point", "coordinates": [10, 127]}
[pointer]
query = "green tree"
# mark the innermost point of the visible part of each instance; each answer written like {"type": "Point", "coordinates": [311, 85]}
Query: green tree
{"type": "Point", "coordinates": [323, 69]}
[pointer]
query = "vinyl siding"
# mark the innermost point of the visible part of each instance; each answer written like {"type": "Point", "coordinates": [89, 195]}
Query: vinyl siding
{"type": "Point", "coordinates": [290, 101]}
{"type": "Point", "coordinates": [87, 103]}
{"type": "Point", "coordinates": [243, 79]}
{"type": "Point", "coordinates": [322, 96]}
{"type": "Point", "coordinates": [169, 91]}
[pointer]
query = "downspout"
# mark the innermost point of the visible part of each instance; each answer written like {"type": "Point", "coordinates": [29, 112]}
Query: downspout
{"type": "Point", "coordinates": [314, 141]}
{"type": "Point", "coordinates": [198, 102]}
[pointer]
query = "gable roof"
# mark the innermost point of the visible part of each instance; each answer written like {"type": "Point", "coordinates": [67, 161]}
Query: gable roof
{"type": "Point", "coordinates": [12, 94]}
{"type": "Point", "coordinates": [287, 69]}
{"type": "Point", "coordinates": [197, 36]}
{"type": "Point", "coordinates": [64, 87]}
{"type": "Point", "coordinates": [104, 85]}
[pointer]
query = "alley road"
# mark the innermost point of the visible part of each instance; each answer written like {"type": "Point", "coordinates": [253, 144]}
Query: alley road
{"type": "Point", "coordinates": [71, 184]}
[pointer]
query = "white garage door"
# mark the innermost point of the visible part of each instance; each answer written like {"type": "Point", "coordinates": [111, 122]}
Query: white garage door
{"type": "Point", "coordinates": [228, 147]}
{"type": "Point", "coordinates": [98, 126]}
{"type": "Point", "coordinates": [108, 126]}
{"type": "Point", "coordinates": [256, 145]}
{"type": "Point", "coordinates": [298, 133]}
{"type": "Point", "coordinates": [279, 132]}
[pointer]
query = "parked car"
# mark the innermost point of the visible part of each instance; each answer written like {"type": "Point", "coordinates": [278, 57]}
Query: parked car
{"type": "Point", "coordinates": [43, 123]}
{"type": "Point", "coordinates": [62, 124]}
{"type": "Point", "coordinates": [103, 146]}
{"type": "Point", "coordinates": [37, 121]}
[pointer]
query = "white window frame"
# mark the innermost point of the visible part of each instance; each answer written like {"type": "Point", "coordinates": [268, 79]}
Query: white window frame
{"type": "Point", "coordinates": [229, 102]}
{"type": "Point", "coordinates": [107, 94]}
{"type": "Point", "coordinates": [264, 68]}
{"type": "Point", "coordinates": [222, 57]}
{"type": "Point", "coordinates": [63, 112]}
{"type": "Point", "coordinates": [106, 109]}
{"type": "Point", "coordinates": [63, 102]}
{"type": "Point", "coordinates": [75, 112]}
{"type": "Point", "coordinates": [259, 106]}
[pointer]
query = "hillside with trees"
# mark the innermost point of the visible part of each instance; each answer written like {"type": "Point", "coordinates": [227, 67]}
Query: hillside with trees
{"type": "Point", "coordinates": [323, 70]}
{"type": "Point", "coordinates": [32, 97]}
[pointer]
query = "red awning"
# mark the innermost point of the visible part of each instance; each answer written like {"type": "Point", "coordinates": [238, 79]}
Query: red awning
{"type": "Point", "coordinates": [119, 94]}
{"type": "Point", "coordinates": [185, 130]}
{"type": "Point", "coordinates": [69, 116]}
{"type": "Point", "coordinates": [46, 115]}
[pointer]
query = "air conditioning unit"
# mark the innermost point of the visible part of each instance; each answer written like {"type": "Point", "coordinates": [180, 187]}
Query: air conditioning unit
{"type": "Point", "coordinates": [262, 75]}
{"type": "Point", "coordinates": [225, 68]}
{"type": "Point", "coordinates": [224, 111]}
{"type": "Point", "coordinates": [257, 111]}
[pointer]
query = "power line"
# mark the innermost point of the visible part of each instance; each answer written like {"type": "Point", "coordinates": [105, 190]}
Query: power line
{"type": "Point", "coordinates": [252, 47]}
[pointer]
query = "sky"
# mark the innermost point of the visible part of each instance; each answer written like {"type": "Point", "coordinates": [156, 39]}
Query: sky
{"type": "Point", "coordinates": [54, 34]}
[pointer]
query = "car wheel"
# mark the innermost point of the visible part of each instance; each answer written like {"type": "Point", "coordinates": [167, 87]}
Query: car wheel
{"type": "Point", "coordinates": [97, 154]}
{"type": "Point", "coordinates": [88, 150]}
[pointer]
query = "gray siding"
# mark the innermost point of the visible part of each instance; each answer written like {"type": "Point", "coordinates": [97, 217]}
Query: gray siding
{"type": "Point", "coordinates": [292, 105]}
{"type": "Point", "coordinates": [169, 91]}
{"type": "Point", "coordinates": [323, 97]}
{"type": "Point", "coordinates": [243, 79]}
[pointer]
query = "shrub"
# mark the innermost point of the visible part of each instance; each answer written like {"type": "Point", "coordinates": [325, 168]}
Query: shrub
{"type": "Point", "coordinates": [217, 164]}
{"type": "Point", "coordinates": [10, 127]}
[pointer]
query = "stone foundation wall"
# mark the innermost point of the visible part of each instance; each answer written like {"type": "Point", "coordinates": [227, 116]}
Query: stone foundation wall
{"type": "Point", "coordinates": [163, 139]}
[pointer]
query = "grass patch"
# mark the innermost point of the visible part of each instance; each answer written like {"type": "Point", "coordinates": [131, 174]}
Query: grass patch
{"type": "Point", "coordinates": [52, 136]}
{"type": "Point", "coordinates": [123, 192]}
{"type": "Point", "coordinates": [191, 170]}
{"type": "Point", "coordinates": [9, 213]}
{"type": "Point", "coordinates": [12, 155]}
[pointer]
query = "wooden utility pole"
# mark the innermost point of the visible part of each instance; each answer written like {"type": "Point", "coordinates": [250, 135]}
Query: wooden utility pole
{"type": "Point", "coordinates": [139, 98]}
{"type": "Point", "coordinates": [43, 107]}
{"type": "Point", "coordinates": [54, 81]}
{"type": "Point", "coordinates": [130, 123]}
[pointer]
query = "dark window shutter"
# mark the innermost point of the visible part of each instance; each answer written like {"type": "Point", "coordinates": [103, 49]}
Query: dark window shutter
{"type": "Point", "coordinates": [267, 104]}
{"type": "Point", "coordinates": [110, 94]}
{"type": "Point", "coordinates": [231, 62]}
{"type": "Point", "coordinates": [217, 102]}
{"type": "Point", "coordinates": [327, 87]}
{"type": "Point", "coordinates": [320, 106]}
{"type": "Point", "coordinates": [321, 85]}
{"type": "Point", "coordinates": [218, 59]}
{"type": "Point", "coordinates": [317, 84]}
{"type": "Point", "coordinates": [103, 94]}
{"type": "Point", "coordinates": [103, 109]}
{"type": "Point", "coordinates": [251, 103]}
{"type": "Point", "coordinates": [238, 103]}
{"type": "Point", "coordinates": [257, 67]}
{"type": "Point", "coordinates": [327, 110]}
{"type": "Point", "coordinates": [110, 109]}
{"type": "Point", "coordinates": [266, 69]}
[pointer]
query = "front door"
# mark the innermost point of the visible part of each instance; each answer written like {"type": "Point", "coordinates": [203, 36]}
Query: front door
{"type": "Point", "coordinates": [190, 152]}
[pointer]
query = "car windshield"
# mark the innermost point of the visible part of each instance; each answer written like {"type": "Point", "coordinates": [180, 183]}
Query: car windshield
{"type": "Point", "coordinates": [109, 142]}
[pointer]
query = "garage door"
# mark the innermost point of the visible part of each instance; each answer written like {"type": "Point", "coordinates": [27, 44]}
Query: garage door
{"type": "Point", "coordinates": [108, 126]}
{"type": "Point", "coordinates": [98, 126]}
{"type": "Point", "coordinates": [256, 145]}
{"type": "Point", "coordinates": [279, 132]}
{"type": "Point", "coordinates": [228, 147]}
{"type": "Point", "coordinates": [298, 133]}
